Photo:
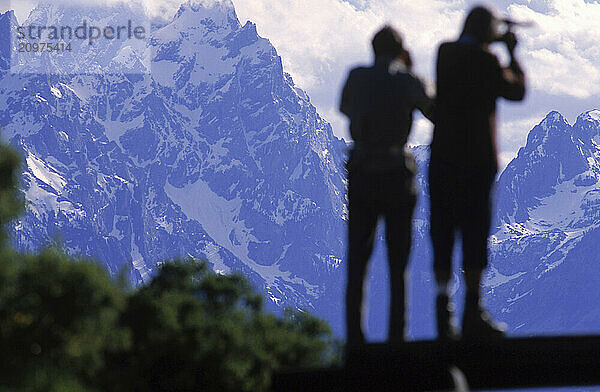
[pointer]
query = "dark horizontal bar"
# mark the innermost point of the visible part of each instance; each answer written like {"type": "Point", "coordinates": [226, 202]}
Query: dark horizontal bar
{"type": "Point", "coordinates": [424, 366]}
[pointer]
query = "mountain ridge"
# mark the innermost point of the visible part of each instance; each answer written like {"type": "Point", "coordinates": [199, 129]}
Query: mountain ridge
{"type": "Point", "coordinates": [111, 159]}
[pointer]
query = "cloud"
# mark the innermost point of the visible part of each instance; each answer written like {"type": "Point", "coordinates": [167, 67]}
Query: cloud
{"type": "Point", "coordinates": [562, 52]}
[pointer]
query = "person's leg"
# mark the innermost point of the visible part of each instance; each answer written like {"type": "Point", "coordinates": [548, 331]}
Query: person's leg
{"type": "Point", "coordinates": [441, 228]}
{"type": "Point", "coordinates": [442, 238]}
{"type": "Point", "coordinates": [398, 230]}
{"type": "Point", "coordinates": [475, 227]}
{"type": "Point", "coordinates": [475, 230]}
{"type": "Point", "coordinates": [362, 223]}
{"type": "Point", "coordinates": [473, 274]}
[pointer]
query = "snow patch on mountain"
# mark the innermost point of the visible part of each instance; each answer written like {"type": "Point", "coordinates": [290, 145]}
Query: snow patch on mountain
{"type": "Point", "coordinates": [494, 278]}
{"type": "Point", "coordinates": [219, 217]}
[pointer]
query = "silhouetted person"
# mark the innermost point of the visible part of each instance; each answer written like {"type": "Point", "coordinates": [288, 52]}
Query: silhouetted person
{"type": "Point", "coordinates": [463, 161]}
{"type": "Point", "coordinates": [379, 101]}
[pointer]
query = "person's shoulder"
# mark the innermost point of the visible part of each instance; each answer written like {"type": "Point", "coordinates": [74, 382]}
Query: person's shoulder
{"type": "Point", "coordinates": [358, 72]}
{"type": "Point", "coordinates": [406, 78]}
{"type": "Point", "coordinates": [399, 72]}
{"type": "Point", "coordinates": [448, 49]}
{"type": "Point", "coordinates": [483, 54]}
{"type": "Point", "coordinates": [448, 45]}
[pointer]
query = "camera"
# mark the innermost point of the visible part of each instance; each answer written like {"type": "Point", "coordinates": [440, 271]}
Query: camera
{"type": "Point", "coordinates": [502, 30]}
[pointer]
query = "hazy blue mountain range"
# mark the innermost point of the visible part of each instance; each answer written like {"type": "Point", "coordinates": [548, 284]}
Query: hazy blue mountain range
{"type": "Point", "coordinates": [211, 151]}
{"type": "Point", "coordinates": [545, 247]}
{"type": "Point", "coordinates": [214, 153]}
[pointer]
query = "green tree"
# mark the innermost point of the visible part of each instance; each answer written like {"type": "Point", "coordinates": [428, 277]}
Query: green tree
{"type": "Point", "coordinates": [58, 320]}
{"type": "Point", "coordinates": [194, 330]}
{"type": "Point", "coordinates": [65, 325]}
{"type": "Point", "coordinates": [11, 200]}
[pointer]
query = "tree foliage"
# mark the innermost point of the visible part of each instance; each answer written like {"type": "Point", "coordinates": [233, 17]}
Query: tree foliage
{"type": "Point", "coordinates": [66, 325]}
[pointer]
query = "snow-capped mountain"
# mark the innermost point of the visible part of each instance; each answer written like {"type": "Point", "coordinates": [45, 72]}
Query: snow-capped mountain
{"type": "Point", "coordinates": [545, 247]}
{"type": "Point", "coordinates": [214, 154]}
{"type": "Point", "coordinates": [208, 149]}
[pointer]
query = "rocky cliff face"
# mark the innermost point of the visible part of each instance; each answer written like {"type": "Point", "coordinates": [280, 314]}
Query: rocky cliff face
{"type": "Point", "coordinates": [545, 245]}
{"type": "Point", "coordinates": [212, 153]}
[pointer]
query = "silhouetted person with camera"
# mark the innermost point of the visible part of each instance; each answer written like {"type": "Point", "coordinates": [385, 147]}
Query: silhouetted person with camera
{"type": "Point", "coordinates": [379, 101]}
{"type": "Point", "coordinates": [463, 161]}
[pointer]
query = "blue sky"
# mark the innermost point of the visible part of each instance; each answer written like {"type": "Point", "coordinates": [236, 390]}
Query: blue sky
{"type": "Point", "coordinates": [320, 40]}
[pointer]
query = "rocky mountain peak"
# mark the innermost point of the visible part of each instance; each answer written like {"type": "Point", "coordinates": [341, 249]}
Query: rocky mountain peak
{"type": "Point", "coordinates": [553, 155]}
{"type": "Point", "coordinates": [213, 153]}
{"type": "Point", "coordinates": [587, 128]}
{"type": "Point", "coordinates": [216, 14]}
{"type": "Point", "coordinates": [8, 15]}
{"type": "Point", "coordinates": [554, 127]}
{"type": "Point", "coordinates": [592, 116]}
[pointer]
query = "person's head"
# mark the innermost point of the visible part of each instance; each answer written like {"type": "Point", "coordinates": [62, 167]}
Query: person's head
{"type": "Point", "coordinates": [387, 43]}
{"type": "Point", "coordinates": [481, 25]}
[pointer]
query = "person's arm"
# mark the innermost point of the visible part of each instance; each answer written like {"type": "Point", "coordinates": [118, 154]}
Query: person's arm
{"type": "Point", "coordinates": [512, 78]}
